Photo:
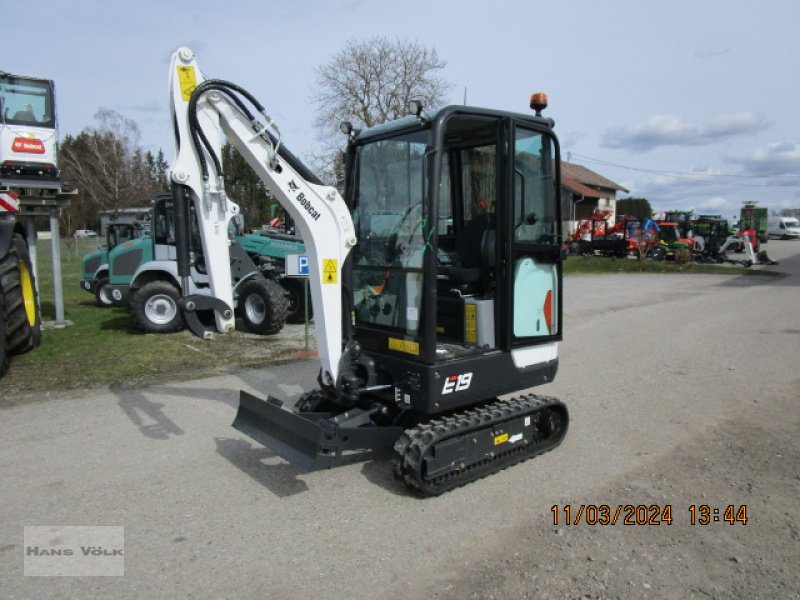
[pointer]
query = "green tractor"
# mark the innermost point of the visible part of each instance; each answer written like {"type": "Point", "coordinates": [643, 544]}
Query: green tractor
{"type": "Point", "coordinates": [672, 245]}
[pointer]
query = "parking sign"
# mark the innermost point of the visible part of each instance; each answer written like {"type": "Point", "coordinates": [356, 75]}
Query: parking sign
{"type": "Point", "coordinates": [297, 265]}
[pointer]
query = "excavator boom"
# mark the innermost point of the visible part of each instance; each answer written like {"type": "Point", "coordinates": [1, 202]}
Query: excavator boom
{"type": "Point", "coordinates": [207, 111]}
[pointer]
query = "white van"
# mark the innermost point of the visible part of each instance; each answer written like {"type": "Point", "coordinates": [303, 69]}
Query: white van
{"type": "Point", "coordinates": [783, 227]}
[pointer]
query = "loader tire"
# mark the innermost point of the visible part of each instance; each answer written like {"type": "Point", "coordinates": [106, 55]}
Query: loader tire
{"type": "Point", "coordinates": [23, 321]}
{"type": "Point", "coordinates": [262, 305]}
{"type": "Point", "coordinates": [3, 348]}
{"type": "Point", "coordinates": [102, 293]}
{"type": "Point", "coordinates": [296, 298]}
{"type": "Point", "coordinates": [155, 307]}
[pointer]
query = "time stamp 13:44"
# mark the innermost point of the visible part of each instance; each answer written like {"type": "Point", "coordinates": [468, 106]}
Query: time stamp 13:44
{"type": "Point", "coordinates": [647, 514]}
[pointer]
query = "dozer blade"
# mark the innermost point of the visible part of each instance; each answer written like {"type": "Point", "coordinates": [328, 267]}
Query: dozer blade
{"type": "Point", "coordinates": [310, 440]}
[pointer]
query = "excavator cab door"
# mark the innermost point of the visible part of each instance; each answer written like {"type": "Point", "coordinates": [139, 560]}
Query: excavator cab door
{"type": "Point", "coordinates": [536, 247]}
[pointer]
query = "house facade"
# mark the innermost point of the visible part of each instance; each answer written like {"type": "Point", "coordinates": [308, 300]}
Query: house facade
{"type": "Point", "coordinates": [583, 191]}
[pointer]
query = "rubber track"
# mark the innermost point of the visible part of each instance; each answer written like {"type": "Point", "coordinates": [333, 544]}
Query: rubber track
{"type": "Point", "coordinates": [415, 444]}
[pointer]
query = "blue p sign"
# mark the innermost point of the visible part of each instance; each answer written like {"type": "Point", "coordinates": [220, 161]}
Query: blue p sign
{"type": "Point", "coordinates": [297, 265]}
{"type": "Point", "coordinates": [302, 265]}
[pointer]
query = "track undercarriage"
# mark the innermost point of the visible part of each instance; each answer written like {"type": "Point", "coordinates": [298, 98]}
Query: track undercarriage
{"type": "Point", "coordinates": [432, 456]}
{"type": "Point", "coordinates": [448, 452]}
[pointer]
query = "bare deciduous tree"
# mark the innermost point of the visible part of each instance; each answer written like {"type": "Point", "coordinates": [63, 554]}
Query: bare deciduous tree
{"type": "Point", "coordinates": [109, 169]}
{"type": "Point", "coordinates": [369, 82]}
{"type": "Point", "coordinates": [105, 162]}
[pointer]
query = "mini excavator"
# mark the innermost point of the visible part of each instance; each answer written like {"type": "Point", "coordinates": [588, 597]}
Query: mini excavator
{"type": "Point", "coordinates": [436, 280]}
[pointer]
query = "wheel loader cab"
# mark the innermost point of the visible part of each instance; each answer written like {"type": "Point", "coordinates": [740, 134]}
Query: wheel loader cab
{"type": "Point", "coordinates": [164, 240]}
{"type": "Point", "coordinates": [457, 273]}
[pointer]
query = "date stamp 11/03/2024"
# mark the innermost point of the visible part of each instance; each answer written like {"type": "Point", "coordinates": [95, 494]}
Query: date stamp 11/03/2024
{"type": "Point", "coordinates": [647, 514]}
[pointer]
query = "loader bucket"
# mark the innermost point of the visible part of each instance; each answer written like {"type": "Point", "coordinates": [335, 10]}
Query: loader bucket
{"type": "Point", "coordinates": [310, 440]}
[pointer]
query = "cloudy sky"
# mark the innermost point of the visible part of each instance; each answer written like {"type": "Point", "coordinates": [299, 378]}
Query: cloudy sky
{"type": "Point", "coordinates": [691, 104]}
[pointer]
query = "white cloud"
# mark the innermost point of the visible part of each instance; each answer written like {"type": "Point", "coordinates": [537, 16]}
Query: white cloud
{"type": "Point", "coordinates": [778, 158]}
{"type": "Point", "coordinates": [671, 130]}
{"type": "Point", "coordinates": [715, 202]}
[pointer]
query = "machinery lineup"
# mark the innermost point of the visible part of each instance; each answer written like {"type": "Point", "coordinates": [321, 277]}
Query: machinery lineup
{"type": "Point", "coordinates": [678, 236]}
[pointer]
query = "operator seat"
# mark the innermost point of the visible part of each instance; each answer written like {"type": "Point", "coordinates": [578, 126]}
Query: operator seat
{"type": "Point", "coordinates": [476, 250]}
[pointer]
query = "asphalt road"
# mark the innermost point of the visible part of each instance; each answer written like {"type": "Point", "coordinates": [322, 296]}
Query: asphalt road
{"type": "Point", "coordinates": [682, 390]}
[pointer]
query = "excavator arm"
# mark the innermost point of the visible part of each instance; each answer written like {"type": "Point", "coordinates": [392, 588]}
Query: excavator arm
{"type": "Point", "coordinates": [206, 112]}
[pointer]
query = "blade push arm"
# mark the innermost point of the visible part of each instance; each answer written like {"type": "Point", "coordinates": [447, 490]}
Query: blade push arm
{"type": "Point", "coordinates": [208, 111]}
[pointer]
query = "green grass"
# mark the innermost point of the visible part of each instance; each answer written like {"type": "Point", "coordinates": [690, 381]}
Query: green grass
{"type": "Point", "coordinates": [599, 265]}
{"type": "Point", "coordinates": [104, 347]}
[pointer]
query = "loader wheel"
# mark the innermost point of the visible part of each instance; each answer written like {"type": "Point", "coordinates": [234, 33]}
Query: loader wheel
{"type": "Point", "coordinates": [3, 348]}
{"type": "Point", "coordinates": [102, 293]}
{"type": "Point", "coordinates": [296, 297]}
{"type": "Point", "coordinates": [262, 306]}
{"type": "Point", "coordinates": [23, 321]}
{"type": "Point", "coordinates": [155, 307]}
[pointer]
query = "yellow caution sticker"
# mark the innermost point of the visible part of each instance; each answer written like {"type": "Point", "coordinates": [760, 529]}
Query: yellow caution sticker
{"type": "Point", "coordinates": [330, 270]}
{"type": "Point", "coordinates": [187, 82]}
{"type": "Point", "coordinates": [406, 346]}
{"type": "Point", "coordinates": [500, 439]}
{"type": "Point", "coordinates": [471, 323]}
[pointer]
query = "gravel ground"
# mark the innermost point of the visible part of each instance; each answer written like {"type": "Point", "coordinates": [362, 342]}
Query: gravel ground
{"type": "Point", "coordinates": [682, 390]}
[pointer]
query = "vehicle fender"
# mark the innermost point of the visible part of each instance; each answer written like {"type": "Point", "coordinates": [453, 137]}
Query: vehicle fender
{"type": "Point", "coordinates": [166, 270]}
{"type": "Point", "coordinates": [155, 270]}
{"type": "Point", "coordinates": [101, 270]}
{"type": "Point", "coordinates": [244, 280]}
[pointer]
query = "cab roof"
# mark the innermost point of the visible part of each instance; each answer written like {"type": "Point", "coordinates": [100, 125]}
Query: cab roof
{"type": "Point", "coordinates": [427, 119]}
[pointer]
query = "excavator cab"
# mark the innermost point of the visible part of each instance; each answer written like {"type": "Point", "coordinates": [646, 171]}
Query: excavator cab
{"type": "Point", "coordinates": [457, 273]}
{"type": "Point", "coordinates": [455, 299]}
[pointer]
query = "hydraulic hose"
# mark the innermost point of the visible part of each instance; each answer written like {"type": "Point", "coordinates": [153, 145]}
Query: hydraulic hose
{"type": "Point", "coordinates": [232, 91]}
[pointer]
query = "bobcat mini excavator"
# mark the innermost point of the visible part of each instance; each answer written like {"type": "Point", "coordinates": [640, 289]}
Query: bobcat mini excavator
{"type": "Point", "coordinates": [436, 282]}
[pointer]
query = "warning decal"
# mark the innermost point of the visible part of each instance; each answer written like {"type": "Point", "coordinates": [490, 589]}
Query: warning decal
{"type": "Point", "coordinates": [330, 270]}
{"type": "Point", "coordinates": [187, 81]}
{"type": "Point", "coordinates": [407, 346]}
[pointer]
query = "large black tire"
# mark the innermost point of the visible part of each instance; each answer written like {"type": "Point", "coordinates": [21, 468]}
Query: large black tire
{"type": "Point", "coordinates": [102, 293]}
{"type": "Point", "coordinates": [3, 349]}
{"type": "Point", "coordinates": [295, 295]}
{"type": "Point", "coordinates": [155, 307]}
{"type": "Point", "coordinates": [23, 320]}
{"type": "Point", "coordinates": [262, 305]}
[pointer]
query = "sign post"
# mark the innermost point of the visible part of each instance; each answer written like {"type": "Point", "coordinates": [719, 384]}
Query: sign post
{"type": "Point", "coordinates": [297, 266]}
